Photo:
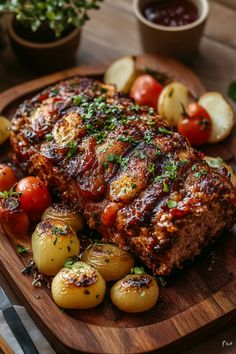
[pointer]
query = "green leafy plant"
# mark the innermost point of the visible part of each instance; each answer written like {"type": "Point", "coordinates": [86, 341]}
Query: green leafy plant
{"type": "Point", "coordinates": [58, 15]}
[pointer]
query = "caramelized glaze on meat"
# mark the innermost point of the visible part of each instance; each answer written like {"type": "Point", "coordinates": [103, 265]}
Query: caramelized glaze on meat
{"type": "Point", "coordinates": [137, 180]}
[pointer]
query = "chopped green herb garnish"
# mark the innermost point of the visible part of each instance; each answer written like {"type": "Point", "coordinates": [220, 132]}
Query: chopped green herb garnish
{"type": "Point", "coordinates": [200, 173]}
{"type": "Point", "coordinates": [140, 154]}
{"type": "Point", "coordinates": [151, 168]}
{"type": "Point", "coordinates": [77, 100]}
{"type": "Point", "coordinates": [165, 187]}
{"type": "Point", "coordinates": [72, 148]}
{"type": "Point", "coordinates": [22, 250]}
{"type": "Point", "coordinates": [49, 137]}
{"type": "Point", "coordinates": [171, 93]}
{"type": "Point", "coordinates": [137, 270]}
{"type": "Point", "coordinates": [151, 111]}
{"type": "Point", "coordinates": [171, 203]}
{"type": "Point", "coordinates": [162, 281]}
{"type": "Point", "coordinates": [103, 90]}
{"type": "Point", "coordinates": [70, 261]}
{"type": "Point", "coordinates": [113, 158]}
{"type": "Point", "coordinates": [60, 230]}
{"type": "Point", "coordinates": [232, 90]}
{"type": "Point", "coordinates": [127, 139]}
{"type": "Point", "coordinates": [148, 137]}
{"type": "Point", "coordinates": [133, 185]}
{"type": "Point", "coordinates": [165, 131]}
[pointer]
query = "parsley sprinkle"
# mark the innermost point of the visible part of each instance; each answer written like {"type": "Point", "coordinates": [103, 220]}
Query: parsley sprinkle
{"type": "Point", "coordinates": [162, 281]}
{"type": "Point", "coordinates": [151, 111]}
{"type": "Point", "coordinates": [165, 131]}
{"type": "Point", "coordinates": [22, 250]}
{"type": "Point", "coordinates": [72, 148]}
{"type": "Point", "coordinates": [49, 137]}
{"type": "Point", "coordinates": [171, 93]}
{"type": "Point", "coordinates": [137, 270]}
{"type": "Point", "coordinates": [133, 185]}
{"type": "Point", "coordinates": [165, 187]}
{"type": "Point", "coordinates": [59, 230]}
{"type": "Point", "coordinates": [151, 168]}
{"type": "Point", "coordinates": [70, 261]}
{"type": "Point", "coordinates": [171, 203]}
{"type": "Point", "coordinates": [198, 174]}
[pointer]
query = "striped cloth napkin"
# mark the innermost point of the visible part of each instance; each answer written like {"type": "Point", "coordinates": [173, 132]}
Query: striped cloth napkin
{"type": "Point", "coordinates": [40, 342]}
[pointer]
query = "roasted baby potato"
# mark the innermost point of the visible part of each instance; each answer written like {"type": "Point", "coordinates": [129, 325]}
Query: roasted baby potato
{"type": "Point", "coordinates": [173, 99]}
{"type": "Point", "coordinates": [53, 241]}
{"type": "Point", "coordinates": [63, 212]}
{"type": "Point", "coordinates": [80, 287]}
{"type": "Point", "coordinates": [135, 293]}
{"type": "Point", "coordinates": [217, 162]}
{"type": "Point", "coordinates": [121, 73]}
{"type": "Point", "coordinates": [5, 129]}
{"type": "Point", "coordinates": [111, 262]}
{"type": "Point", "coordinates": [221, 114]}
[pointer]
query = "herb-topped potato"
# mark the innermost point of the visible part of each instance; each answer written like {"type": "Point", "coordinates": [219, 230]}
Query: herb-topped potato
{"type": "Point", "coordinates": [136, 292]}
{"type": "Point", "coordinates": [78, 287]}
{"type": "Point", "coordinates": [65, 213]}
{"type": "Point", "coordinates": [112, 262]}
{"type": "Point", "coordinates": [53, 241]}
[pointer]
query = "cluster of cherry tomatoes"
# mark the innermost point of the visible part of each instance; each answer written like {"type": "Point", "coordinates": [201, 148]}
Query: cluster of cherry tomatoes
{"type": "Point", "coordinates": [20, 201]}
{"type": "Point", "coordinates": [195, 123]}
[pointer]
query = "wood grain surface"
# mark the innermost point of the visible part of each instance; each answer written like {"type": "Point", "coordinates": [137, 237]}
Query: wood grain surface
{"type": "Point", "coordinates": [112, 32]}
{"type": "Point", "coordinates": [196, 299]}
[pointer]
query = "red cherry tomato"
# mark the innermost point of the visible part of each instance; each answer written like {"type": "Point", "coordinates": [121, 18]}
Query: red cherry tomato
{"type": "Point", "coordinates": [7, 177]}
{"type": "Point", "coordinates": [14, 220]}
{"type": "Point", "coordinates": [195, 125]}
{"type": "Point", "coordinates": [35, 197]}
{"type": "Point", "coordinates": [146, 91]}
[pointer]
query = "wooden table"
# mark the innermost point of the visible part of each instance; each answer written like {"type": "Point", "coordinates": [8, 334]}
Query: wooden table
{"type": "Point", "coordinates": [112, 32]}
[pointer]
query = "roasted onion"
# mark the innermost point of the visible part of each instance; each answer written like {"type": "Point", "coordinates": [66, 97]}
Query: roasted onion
{"type": "Point", "coordinates": [63, 212]}
{"type": "Point", "coordinates": [53, 241]}
{"type": "Point", "coordinates": [111, 262]}
{"type": "Point", "coordinates": [135, 293]}
{"type": "Point", "coordinates": [78, 287]}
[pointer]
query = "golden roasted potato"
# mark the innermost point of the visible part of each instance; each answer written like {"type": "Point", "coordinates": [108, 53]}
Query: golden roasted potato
{"type": "Point", "coordinates": [5, 129]}
{"type": "Point", "coordinates": [173, 99]}
{"type": "Point", "coordinates": [217, 162]}
{"type": "Point", "coordinates": [121, 73]}
{"type": "Point", "coordinates": [53, 241]}
{"type": "Point", "coordinates": [63, 212]}
{"type": "Point", "coordinates": [80, 287]}
{"type": "Point", "coordinates": [135, 293]}
{"type": "Point", "coordinates": [221, 114]}
{"type": "Point", "coordinates": [111, 262]}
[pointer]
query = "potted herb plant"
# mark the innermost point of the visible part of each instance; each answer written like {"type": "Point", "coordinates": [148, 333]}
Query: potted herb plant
{"type": "Point", "coordinates": [46, 34]}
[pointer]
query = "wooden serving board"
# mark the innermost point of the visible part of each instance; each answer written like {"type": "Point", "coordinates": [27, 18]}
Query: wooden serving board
{"type": "Point", "coordinates": [197, 300]}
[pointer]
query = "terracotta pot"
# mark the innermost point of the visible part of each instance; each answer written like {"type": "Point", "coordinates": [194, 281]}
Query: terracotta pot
{"type": "Point", "coordinates": [45, 57]}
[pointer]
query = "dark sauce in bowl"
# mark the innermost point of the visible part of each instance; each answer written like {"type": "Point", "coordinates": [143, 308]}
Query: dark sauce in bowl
{"type": "Point", "coordinates": [171, 13]}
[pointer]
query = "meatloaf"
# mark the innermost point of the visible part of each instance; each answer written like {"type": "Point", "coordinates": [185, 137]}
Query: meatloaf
{"type": "Point", "coordinates": [136, 180]}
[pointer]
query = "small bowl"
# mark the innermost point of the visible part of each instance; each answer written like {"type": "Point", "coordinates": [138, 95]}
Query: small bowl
{"type": "Point", "coordinates": [180, 42]}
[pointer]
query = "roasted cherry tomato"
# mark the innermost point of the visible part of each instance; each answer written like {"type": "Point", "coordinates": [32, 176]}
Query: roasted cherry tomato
{"type": "Point", "coordinates": [14, 220]}
{"type": "Point", "coordinates": [7, 177]}
{"type": "Point", "coordinates": [34, 196]}
{"type": "Point", "coordinates": [146, 91]}
{"type": "Point", "coordinates": [195, 125]}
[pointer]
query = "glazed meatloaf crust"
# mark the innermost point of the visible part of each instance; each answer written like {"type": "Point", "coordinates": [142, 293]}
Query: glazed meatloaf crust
{"type": "Point", "coordinates": [136, 179]}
